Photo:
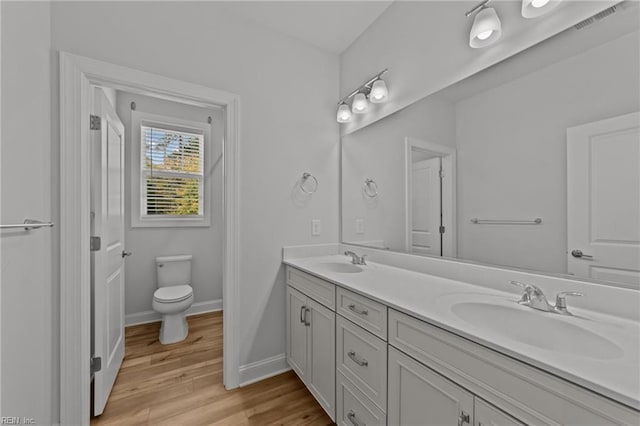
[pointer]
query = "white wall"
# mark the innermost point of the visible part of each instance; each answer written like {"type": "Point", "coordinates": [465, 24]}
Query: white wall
{"type": "Point", "coordinates": [205, 244]}
{"type": "Point", "coordinates": [28, 291]}
{"type": "Point", "coordinates": [425, 46]}
{"type": "Point", "coordinates": [513, 166]}
{"type": "Point", "coordinates": [378, 152]}
{"type": "Point", "coordinates": [287, 126]}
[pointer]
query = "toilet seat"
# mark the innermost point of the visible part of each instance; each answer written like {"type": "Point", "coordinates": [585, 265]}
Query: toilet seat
{"type": "Point", "coordinates": [172, 294]}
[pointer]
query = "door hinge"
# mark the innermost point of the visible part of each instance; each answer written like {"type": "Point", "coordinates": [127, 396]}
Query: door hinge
{"type": "Point", "coordinates": [95, 364]}
{"type": "Point", "coordinates": [441, 173]}
{"type": "Point", "coordinates": [441, 229]}
{"type": "Point", "coordinates": [95, 243]}
{"type": "Point", "coordinates": [94, 122]}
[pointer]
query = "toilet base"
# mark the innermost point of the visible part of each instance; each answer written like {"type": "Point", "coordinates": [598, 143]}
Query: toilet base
{"type": "Point", "coordinates": [174, 328]}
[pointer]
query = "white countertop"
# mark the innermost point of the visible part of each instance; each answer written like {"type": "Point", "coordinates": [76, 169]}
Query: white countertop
{"type": "Point", "coordinates": [614, 371]}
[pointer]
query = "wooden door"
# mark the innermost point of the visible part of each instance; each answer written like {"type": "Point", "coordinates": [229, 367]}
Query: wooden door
{"type": "Point", "coordinates": [426, 206]}
{"type": "Point", "coordinates": [603, 190]}
{"type": "Point", "coordinates": [321, 355]}
{"type": "Point", "coordinates": [419, 396]}
{"type": "Point", "coordinates": [107, 200]}
{"type": "Point", "coordinates": [297, 332]}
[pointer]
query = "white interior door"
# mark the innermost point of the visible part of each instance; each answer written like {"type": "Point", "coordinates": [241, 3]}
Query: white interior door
{"type": "Point", "coordinates": [426, 207]}
{"type": "Point", "coordinates": [603, 189]}
{"type": "Point", "coordinates": [107, 208]}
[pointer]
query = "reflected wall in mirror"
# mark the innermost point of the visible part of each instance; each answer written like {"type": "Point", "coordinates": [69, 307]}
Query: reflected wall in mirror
{"type": "Point", "coordinates": [551, 133]}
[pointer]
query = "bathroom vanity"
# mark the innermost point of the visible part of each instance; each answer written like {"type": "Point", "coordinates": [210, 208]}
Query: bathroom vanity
{"type": "Point", "coordinates": [377, 344]}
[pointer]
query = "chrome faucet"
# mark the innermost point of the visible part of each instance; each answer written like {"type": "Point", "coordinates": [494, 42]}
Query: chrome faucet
{"type": "Point", "coordinates": [355, 259]}
{"type": "Point", "coordinates": [534, 298]}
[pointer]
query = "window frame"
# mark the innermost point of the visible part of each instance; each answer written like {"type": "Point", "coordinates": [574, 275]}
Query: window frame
{"type": "Point", "coordinates": [138, 217]}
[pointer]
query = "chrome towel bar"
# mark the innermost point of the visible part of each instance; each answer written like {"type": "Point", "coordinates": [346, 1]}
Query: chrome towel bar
{"type": "Point", "coordinates": [29, 224]}
{"type": "Point", "coordinates": [536, 221]}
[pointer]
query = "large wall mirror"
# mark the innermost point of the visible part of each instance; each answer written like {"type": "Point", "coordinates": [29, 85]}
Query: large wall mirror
{"type": "Point", "coordinates": [532, 164]}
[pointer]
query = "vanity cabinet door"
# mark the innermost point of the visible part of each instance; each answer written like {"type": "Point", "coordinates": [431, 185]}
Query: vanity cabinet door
{"type": "Point", "coordinates": [488, 415]}
{"type": "Point", "coordinates": [419, 396]}
{"type": "Point", "coordinates": [297, 332]}
{"type": "Point", "coordinates": [321, 355]}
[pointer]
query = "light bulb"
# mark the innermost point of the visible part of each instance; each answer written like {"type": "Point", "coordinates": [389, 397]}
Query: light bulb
{"type": "Point", "coordinates": [535, 8]}
{"type": "Point", "coordinates": [485, 35]}
{"type": "Point", "coordinates": [486, 28]}
{"type": "Point", "coordinates": [344, 113]}
{"type": "Point", "coordinates": [360, 104]}
{"type": "Point", "coordinates": [379, 92]}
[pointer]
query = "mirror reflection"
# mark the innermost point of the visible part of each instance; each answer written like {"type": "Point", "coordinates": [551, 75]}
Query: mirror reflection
{"type": "Point", "coordinates": [533, 163]}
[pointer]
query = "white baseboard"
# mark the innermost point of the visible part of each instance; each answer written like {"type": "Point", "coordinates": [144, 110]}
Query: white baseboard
{"type": "Point", "coordinates": [260, 370]}
{"type": "Point", "coordinates": [152, 316]}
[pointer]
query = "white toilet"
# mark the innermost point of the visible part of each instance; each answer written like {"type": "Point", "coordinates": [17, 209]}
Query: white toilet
{"type": "Point", "coordinates": [173, 296]}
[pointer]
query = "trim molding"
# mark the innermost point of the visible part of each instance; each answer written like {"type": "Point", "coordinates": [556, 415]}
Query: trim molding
{"type": "Point", "coordinates": [145, 317]}
{"type": "Point", "coordinates": [260, 370]}
{"type": "Point", "coordinates": [77, 75]}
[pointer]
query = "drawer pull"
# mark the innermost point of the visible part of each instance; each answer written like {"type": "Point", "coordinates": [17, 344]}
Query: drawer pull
{"type": "Point", "coordinates": [358, 311]}
{"type": "Point", "coordinates": [361, 362]}
{"type": "Point", "coordinates": [464, 418]}
{"type": "Point", "coordinates": [306, 322]}
{"type": "Point", "coordinates": [353, 419]}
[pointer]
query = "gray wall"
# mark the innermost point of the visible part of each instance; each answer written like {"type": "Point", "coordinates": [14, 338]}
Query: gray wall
{"type": "Point", "coordinates": [205, 244]}
{"type": "Point", "coordinates": [29, 298]}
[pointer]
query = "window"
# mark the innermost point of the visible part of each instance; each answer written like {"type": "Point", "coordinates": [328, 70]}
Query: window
{"type": "Point", "coordinates": [171, 187]}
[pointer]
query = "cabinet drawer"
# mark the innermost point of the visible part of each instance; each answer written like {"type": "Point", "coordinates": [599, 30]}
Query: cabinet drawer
{"type": "Point", "coordinates": [319, 290]}
{"type": "Point", "coordinates": [526, 392]}
{"type": "Point", "coordinates": [362, 357]}
{"type": "Point", "coordinates": [370, 315]}
{"type": "Point", "coordinates": [354, 408]}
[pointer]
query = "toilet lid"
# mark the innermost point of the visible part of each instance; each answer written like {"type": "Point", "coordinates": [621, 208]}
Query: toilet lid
{"type": "Point", "coordinates": [174, 293]}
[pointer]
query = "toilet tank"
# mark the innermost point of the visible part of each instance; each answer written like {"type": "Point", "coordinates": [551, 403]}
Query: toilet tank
{"type": "Point", "coordinates": [173, 270]}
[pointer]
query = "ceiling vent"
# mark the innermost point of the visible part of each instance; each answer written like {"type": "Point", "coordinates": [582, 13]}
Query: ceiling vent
{"type": "Point", "coordinates": [598, 16]}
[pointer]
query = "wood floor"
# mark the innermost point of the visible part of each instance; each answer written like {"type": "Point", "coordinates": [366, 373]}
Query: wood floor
{"type": "Point", "coordinates": [181, 384]}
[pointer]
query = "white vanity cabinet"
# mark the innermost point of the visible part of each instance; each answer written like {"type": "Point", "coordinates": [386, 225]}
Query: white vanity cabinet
{"type": "Point", "coordinates": [419, 396]}
{"type": "Point", "coordinates": [311, 346]}
{"type": "Point", "coordinates": [371, 364]}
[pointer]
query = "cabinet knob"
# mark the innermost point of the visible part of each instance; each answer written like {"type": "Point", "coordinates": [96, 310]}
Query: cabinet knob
{"type": "Point", "coordinates": [464, 418]}
{"type": "Point", "coordinates": [354, 420]}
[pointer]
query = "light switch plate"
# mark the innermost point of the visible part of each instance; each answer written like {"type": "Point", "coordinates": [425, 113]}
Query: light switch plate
{"type": "Point", "coordinates": [359, 226]}
{"type": "Point", "coordinates": [315, 227]}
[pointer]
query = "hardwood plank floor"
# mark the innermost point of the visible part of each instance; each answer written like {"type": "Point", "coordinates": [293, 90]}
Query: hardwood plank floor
{"type": "Point", "coordinates": [181, 384]}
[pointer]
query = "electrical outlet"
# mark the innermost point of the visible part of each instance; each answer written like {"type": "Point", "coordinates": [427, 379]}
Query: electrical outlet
{"type": "Point", "coordinates": [359, 226]}
{"type": "Point", "coordinates": [316, 228]}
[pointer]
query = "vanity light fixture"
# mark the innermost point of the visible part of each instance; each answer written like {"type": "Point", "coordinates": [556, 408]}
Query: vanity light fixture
{"type": "Point", "coordinates": [344, 113]}
{"type": "Point", "coordinates": [535, 8]}
{"type": "Point", "coordinates": [374, 91]}
{"type": "Point", "coordinates": [486, 28]}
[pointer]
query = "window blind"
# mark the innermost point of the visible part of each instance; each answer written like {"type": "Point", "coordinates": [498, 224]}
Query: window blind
{"type": "Point", "coordinates": [172, 172]}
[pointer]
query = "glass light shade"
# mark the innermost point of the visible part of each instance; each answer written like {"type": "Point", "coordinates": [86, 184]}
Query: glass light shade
{"type": "Point", "coordinates": [535, 8]}
{"type": "Point", "coordinates": [360, 104]}
{"type": "Point", "coordinates": [344, 113]}
{"type": "Point", "coordinates": [486, 28]}
{"type": "Point", "coordinates": [379, 92]}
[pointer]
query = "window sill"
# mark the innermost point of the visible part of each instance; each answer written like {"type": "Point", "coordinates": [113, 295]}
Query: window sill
{"type": "Point", "coordinates": [170, 223]}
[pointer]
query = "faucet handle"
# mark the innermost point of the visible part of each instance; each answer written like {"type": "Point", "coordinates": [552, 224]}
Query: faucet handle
{"type": "Point", "coordinates": [362, 262]}
{"type": "Point", "coordinates": [561, 299]}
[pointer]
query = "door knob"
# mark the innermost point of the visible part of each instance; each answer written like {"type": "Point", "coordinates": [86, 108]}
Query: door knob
{"type": "Point", "coordinates": [126, 253]}
{"type": "Point", "coordinates": [579, 254]}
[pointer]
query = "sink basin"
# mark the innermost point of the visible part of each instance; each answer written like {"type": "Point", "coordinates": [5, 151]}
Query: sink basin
{"type": "Point", "coordinates": [539, 329]}
{"type": "Point", "coordinates": [343, 268]}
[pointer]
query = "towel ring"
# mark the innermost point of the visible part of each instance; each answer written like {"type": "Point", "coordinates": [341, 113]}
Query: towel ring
{"type": "Point", "coordinates": [305, 177]}
{"type": "Point", "coordinates": [370, 188]}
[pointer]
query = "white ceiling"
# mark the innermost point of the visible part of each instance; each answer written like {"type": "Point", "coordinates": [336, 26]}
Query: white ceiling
{"type": "Point", "coordinates": [329, 25]}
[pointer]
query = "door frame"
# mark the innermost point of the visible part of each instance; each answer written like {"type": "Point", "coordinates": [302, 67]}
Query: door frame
{"type": "Point", "coordinates": [448, 192]}
{"type": "Point", "coordinates": [77, 75]}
